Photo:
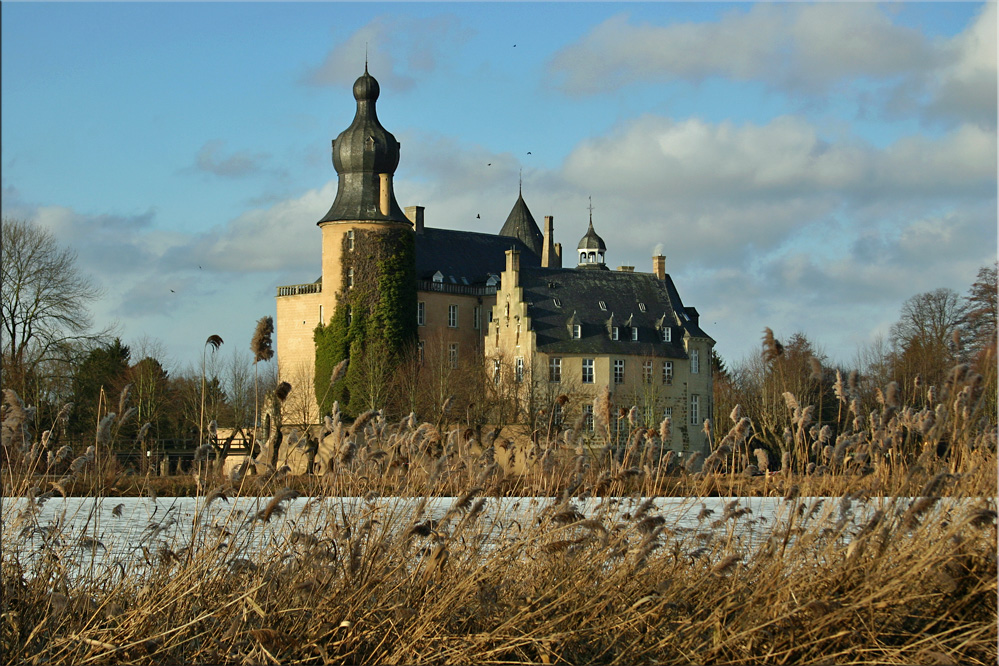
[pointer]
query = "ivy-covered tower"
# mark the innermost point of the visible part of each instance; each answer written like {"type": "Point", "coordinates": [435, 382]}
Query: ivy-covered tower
{"type": "Point", "coordinates": [368, 262]}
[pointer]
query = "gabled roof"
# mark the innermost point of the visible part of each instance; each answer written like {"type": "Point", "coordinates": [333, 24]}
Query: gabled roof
{"type": "Point", "coordinates": [579, 292]}
{"type": "Point", "coordinates": [466, 254]}
{"type": "Point", "coordinates": [520, 224]}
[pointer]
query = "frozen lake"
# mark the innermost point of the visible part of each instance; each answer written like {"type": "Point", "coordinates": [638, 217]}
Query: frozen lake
{"type": "Point", "coordinates": [119, 535]}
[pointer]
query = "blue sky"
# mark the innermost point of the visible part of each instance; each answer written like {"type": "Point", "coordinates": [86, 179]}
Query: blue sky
{"type": "Point", "coordinates": [806, 167]}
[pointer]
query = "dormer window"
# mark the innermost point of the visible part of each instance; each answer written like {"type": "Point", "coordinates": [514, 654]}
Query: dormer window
{"type": "Point", "coordinates": [615, 333]}
{"type": "Point", "coordinates": [491, 282]}
{"type": "Point", "coordinates": [438, 277]}
{"type": "Point", "coordinates": [577, 331]}
{"type": "Point", "coordinates": [667, 334]}
{"type": "Point", "coordinates": [634, 334]}
{"type": "Point", "coordinates": [603, 306]}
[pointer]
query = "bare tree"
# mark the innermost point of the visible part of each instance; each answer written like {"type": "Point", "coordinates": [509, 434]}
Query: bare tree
{"type": "Point", "coordinates": [44, 300]}
{"type": "Point", "coordinates": [983, 311]}
{"type": "Point", "coordinates": [926, 337]}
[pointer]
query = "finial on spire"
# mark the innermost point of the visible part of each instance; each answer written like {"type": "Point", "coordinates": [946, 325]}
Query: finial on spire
{"type": "Point", "coordinates": [590, 207]}
{"type": "Point", "coordinates": [520, 185]}
{"type": "Point", "coordinates": [365, 57]}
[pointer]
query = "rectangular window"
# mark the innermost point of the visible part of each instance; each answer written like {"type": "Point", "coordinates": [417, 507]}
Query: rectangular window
{"type": "Point", "coordinates": [452, 354]}
{"type": "Point", "coordinates": [420, 348]}
{"type": "Point", "coordinates": [667, 334]}
{"type": "Point", "coordinates": [555, 370]}
{"type": "Point", "coordinates": [421, 314]}
{"type": "Point", "coordinates": [619, 371]}
{"type": "Point", "coordinates": [476, 317]}
{"type": "Point", "coordinates": [587, 370]}
{"type": "Point", "coordinates": [496, 371]}
{"type": "Point", "coordinates": [518, 367]}
{"type": "Point", "coordinates": [577, 331]}
{"type": "Point", "coordinates": [588, 418]}
{"type": "Point", "coordinates": [452, 316]}
{"type": "Point", "coordinates": [350, 278]}
{"type": "Point", "coordinates": [695, 416]}
{"type": "Point", "coordinates": [320, 314]}
{"type": "Point", "coordinates": [614, 333]}
{"type": "Point", "coordinates": [647, 372]}
{"type": "Point", "coordinates": [668, 413]}
{"type": "Point", "coordinates": [667, 372]}
{"type": "Point", "coordinates": [350, 240]}
{"type": "Point", "coordinates": [695, 362]}
{"type": "Point", "coordinates": [557, 414]}
{"type": "Point", "coordinates": [634, 335]}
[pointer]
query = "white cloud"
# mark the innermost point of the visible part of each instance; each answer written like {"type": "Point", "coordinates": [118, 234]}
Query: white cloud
{"type": "Point", "coordinates": [396, 48]}
{"type": "Point", "coordinates": [241, 163]}
{"type": "Point", "coordinates": [817, 49]}
{"type": "Point", "coordinates": [965, 89]}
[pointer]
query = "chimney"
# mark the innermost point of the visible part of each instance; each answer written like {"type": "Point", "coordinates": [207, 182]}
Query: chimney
{"type": "Point", "coordinates": [626, 269]}
{"type": "Point", "coordinates": [415, 215]}
{"type": "Point", "coordinates": [513, 267]}
{"type": "Point", "coordinates": [659, 266]}
{"type": "Point", "coordinates": [551, 257]}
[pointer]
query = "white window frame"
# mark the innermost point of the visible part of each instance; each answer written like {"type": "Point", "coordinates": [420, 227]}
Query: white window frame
{"type": "Point", "coordinates": [619, 371]}
{"type": "Point", "coordinates": [350, 240]}
{"type": "Point", "coordinates": [452, 354]}
{"type": "Point", "coordinates": [421, 348]}
{"type": "Point", "coordinates": [695, 362]}
{"type": "Point", "coordinates": [588, 371]}
{"type": "Point", "coordinates": [555, 370]}
{"type": "Point", "coordinates": [615, 333]}
{"type": "Point", "coordinates": [668, 373]}
{"type": "Point", "coordinates": [588, 418]}
{"type": "Point", "coordinates": [667, 334]}
{"type": "Point", "coordinates": [577, 331]}
{"type": "Point", "coordinates": [452, 316]}
{"type": "Point", "coordinates": [518, 369]}
{"type": "Point", "coordinates": [695, 409]}
{"type": "Point", "coordinates": [421, 313]}
{"type": "Point", "coordinates": [350, 278]}
{"type": "Point", "coordinates": [477, 317]}
{"type": "Point", "coordinates": [634, 334]}
{"type": "Point", "coordinates": [647, 372]}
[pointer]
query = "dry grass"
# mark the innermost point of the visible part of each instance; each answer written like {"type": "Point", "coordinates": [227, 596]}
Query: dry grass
{"type": "Point", "coordinates": [881, 571]}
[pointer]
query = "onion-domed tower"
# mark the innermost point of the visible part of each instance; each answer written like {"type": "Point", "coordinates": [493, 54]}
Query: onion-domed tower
{"type": "Point", "coordinates": [369, 264]}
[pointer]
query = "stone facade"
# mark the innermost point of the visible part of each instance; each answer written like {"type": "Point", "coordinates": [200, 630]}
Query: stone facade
{"type": "Point", "coordinates": [507, 300]}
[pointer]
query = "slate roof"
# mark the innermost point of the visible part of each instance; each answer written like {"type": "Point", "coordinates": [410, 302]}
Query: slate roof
{"type": "Point", "coordinates": [520, 224]}
{"type": "Point", "coordinates": [579, 293]}
{"type": "Point", "coordinates": [360, 153]}
{"type": "Point", "coordinates": [466, 254]}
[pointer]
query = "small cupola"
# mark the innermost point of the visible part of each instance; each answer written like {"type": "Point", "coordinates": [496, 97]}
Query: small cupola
{"type": "Point", "coordinates": [591, 248]}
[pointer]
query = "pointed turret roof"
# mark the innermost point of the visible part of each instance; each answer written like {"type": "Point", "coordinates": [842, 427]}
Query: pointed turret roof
{"type": "Point", "coordinates": [520, 224]}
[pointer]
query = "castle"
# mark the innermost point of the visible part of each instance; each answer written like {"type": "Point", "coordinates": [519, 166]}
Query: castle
{"type": "Point", "coordinates": [505, 299]}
